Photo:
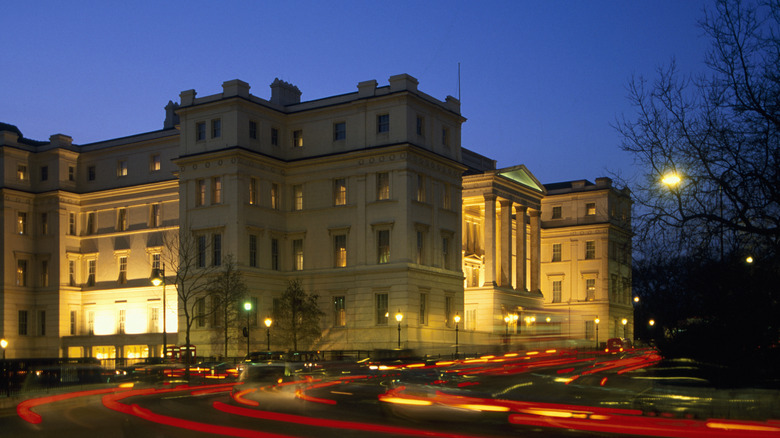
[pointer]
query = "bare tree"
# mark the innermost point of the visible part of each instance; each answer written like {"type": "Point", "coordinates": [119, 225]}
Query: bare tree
{"type": "Point", "coordinates": [185, 258]}
{"type": "Point", "coordinates": [227, 291]}
{"type": "Point", "coordinates": [719, 132]}
{"type": "Point", "coordinates": [297, 316]}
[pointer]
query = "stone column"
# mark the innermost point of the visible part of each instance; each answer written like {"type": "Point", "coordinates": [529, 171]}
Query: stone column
{"type": "Point", "coordinates": [505, 246]}
{"type": "Point", "coordinates": [536, 249]}
{"type": "Point", "coordinates": [520, 248]}
{"type": "Point", "coordinates": [490, 240]}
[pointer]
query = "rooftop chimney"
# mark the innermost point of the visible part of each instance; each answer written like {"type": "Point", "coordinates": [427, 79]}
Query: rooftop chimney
{"type": "Point", "coordinates": [284, 93]}
{"type": "Point", "coordinates": [171, 118]}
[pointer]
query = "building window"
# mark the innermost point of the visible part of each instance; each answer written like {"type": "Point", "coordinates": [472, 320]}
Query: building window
{"type": "Point", "coordinates": [274, 137]}
{"type": "Point", "coordinates": [121, 168]}
{"type": "Point", "coordinates": [122, 270]}
{"type": "Point", "coordinates": [21, 273]}
{"type": "Point", "coordinates": [590, 330]}
{"type": "Point", "coordinates": [420, 194]}
{"type": "Point", "coordinates": [71, 273]}
{"type": "Point", "coordinates": [91, 270]}
{"type": "Point", "coordinates": [71, 173]}
{"type": "Point", "coordinates": [200, 194]}
{"type": "Point", "coordinates": [154, 320]}
{"type": "Point", "coordinates": [154, 215]}
{"type": "Point", "coordinates": [297, 197]}
{"type": "Point", "coordinates": [590, 289]}
{"type": "Point", "coordinates": [74, 322]}
{"type": "Point", "coordinates": [382, 311]}
{"type": "Point", "coordinates": [446, 199]}
{"type": "Point", "coordinates": [383, 246]}
{"type": "Point", "coordinates": [41, 323]}
{"type": "Point", "coordinates": [275, 196]}
{"type": "Point", "coordinates": [339, 131]}
{"type": "Point", "coordinates": [156, 260]}
{"type": "Point", "coordinates": [91, 322]}
{"type": "Point", "coordinates": [590, 250]}
{"type": "Point", "coordinates": [275, 254]}
{"type": "Point", "coordinates": [556, 287]}
{"type": "Point", "coordinates": [383, 123]}
{"type": "Point", "coordinates": [121, 320]}
{"type": "Point", "coordinates": [339, 311]}
{"type": "Point", "coordinates": [44, 173]}
{"type": "Point", "coordinates": [252, 191]}
{"type": "Point", "coordinates": [382, 186]}
{"type": "Point", "coordinates": [297, 254]}
{"type": "Point", "coordinates": [21, 222]}
{"type": "Point", "coordinates": [340, 191]}
{"type": "Point", "coordinates": [44, 273]}
{"type": "Point", "coordinates": [72, 224]}
{"type": "Point", "coordinates": [21, 172]}
{"type": "Point", "coordinates": [298, 138]}
{"type": "Point", "coordinates": [44, 224]}
{"type": "Point", "coordinates": [420, 126]}
{"type": "Point", "coordinates": [613, 290]}
{"type": "Point", "coordinates": [590, 209]}
{"type": "Point", "coordinates": [420, 244]}
{"type": "Point", "coordinates": [340, 250]}
{"type": "Point", "coordinates": [200, 312]}
{"type": "Point", "coordinates": [445, 252]}
{"type": "Point", "coordinates": [216, 187]}
{"type": "Point", "coordinates": [201, 251]}
{"type": "Point", "coordinates": [216, 128]}
{"type": "Point", "coordinates": [253, 250]}
{"type": "Point", "coordinates": [91, 172]}
{"type": "Point", "coordinates": [448, 311]}
{"type": "Point", "coordinates": [200, 131]}
{"type": "Point", "coordinates": [423, 309]}
{"type": "Point", "coordinates": [556, 212]}
{"type": "Point", "coordinates": [121, 219]}
{"type": "Point", "coordinates": [253, 130]}
{"type": "Point", "coordinates": [445, 137]}
{"type": "Point", "coordinates": [22, 323]}
{"type": "Point", "coordinates": [91, 223]}
{"type": "Point", "coordinates": [217, 250]}
{"type": "Point", "coordinates": [155, 163]}
{"type": "Point", "coordinates": [556, 252]}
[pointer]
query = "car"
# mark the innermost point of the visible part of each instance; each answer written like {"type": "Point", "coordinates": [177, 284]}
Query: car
{"type": "Point", "coordinates": [618, 345]}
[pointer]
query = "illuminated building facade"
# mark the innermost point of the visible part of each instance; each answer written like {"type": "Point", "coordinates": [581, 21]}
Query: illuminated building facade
{"type": "Point", "coordinates": [367, 198]}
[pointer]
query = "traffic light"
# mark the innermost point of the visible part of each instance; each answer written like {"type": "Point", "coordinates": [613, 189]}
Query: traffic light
{"type": "Point", "coordinates": [246, 332]}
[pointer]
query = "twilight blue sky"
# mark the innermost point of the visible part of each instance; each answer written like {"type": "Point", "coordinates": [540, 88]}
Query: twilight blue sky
{"type": "Point", "coordinates": [541, 81]}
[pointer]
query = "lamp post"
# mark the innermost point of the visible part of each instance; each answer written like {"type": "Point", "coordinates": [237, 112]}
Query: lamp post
{"type": "Point", "coordinates": [247, 308]}
{"type": "Point", "coordinates": [398, 317]}
{"type": "Point", "coordinates": [268, 322]}
{"type": "Point", "coordinates": [597, 321]}
{"type": "Point", "coordinates": [624, 321]}
{"type": "Point", "coordinates": [158, 278]}
{"type": "Point", "coordinates": [457, 320]}
{"type": "Point", "coordinates": [3, 343]}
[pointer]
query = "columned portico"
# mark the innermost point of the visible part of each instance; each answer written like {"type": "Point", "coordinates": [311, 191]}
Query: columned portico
{"type": "Point", "coordinates": [505, 244]}
{"type": "Point", "coordinates": [490, 240]}
{"type": "Point", "coordinates": [536, 247]}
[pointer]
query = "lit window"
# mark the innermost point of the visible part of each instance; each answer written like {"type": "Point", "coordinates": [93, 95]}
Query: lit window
{"type": "Point", "coordinates": [200, 131]}
{"type": "Point", "coordinates": [216, 128]}
{"type": "Point", "coordinates": [298, 255]}
{"type": "Point", "coordinates": [556, 252]}
{"type": "Point", "coordinates": [154, 215]}
{"type": "Point", "coordinates": [122, 270]}
{"type": "Point", "coordinates": [556, 286]}
{"type": "Point", "coordinates": [253, 191]}
{"type": "Point", "coordinates": [21, 272]}
{"type": "Point", "coordinates": [339, 311]}
{"type": "Point", "coordinates": [420, 188]}
{"type": "Point", "coordinates": [156, 260]}
{"type": "Point", "coordinates": [340, 191]}
{"type": "Point", "coordinates": [71, 273]}
{"type": "Point", "coordinates": [21, 172]}
{"type": "Point", "coordinates": [590, 289]}
{"type": "Point", "coordinates": [216, 186]}
{"type": "Point", "coordinates": [382, 310]}
{"type": "Point", "coordinates": [556, 212]}
{"type": "Point", "coordinates": [339, 131]}
{"type": "Point", "coordinates": [590, 209]}
{"type": "Point", "coordinates": [298, 138]}
{"type": "Point", "coordinates": [382, 186]}
{"type": "Point", "coordinates": [121, 219]}
{"type": "Point", "coordinates": [200, 195]}
{"type": "Point", "coordinates": [155, 163]}
{"type": "Point", "coordinates": [383, 246]}
{"type": "Point", "coordinates": [253, 130]}
{"type": "Point", "coordinates": [21, 223]}
{"type": "Point", "coordinates": [91, 270]}
{"type": "Point", "coordinates": [340, 250]}
{"type": "Point", "coordinates": [297, 197]}
{"type": "Point", "coordinates": [590, 250]}
{"type": "Point", "coordinates": [383, 123]}
{"type": "Point", "coordinates": [275, 196]}
{"type": "Point", "coordinates": [72, 224]}
{"type": "Point", "coordinates": [121, 168]}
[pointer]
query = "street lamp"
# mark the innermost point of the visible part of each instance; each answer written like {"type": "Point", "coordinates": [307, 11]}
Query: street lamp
{"type": "Point", "coordinates": [3, 343]}
{"type": "Point", "coordinates": [247, 308]}
{"type": "Point", "coordinates": [457, 320]}
{"type": "Point", "coordinates": [399, 317]}
{"type": "Point", "coordinates": [268, 323]}
{"type": "Point", "coordinates": [671, 179]}
{"type": "Point", "coordinates": [597, 321]}
{"type": "Point", "coordinates": [624, 321]}
{"type": "Point", "coordinates": [158, 278]}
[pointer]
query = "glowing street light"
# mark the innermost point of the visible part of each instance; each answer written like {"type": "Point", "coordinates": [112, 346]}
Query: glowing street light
{"type": "Point", "coordinates": [671, 179]}
{"type": "Point", "coordinates": [268, 322]}
{"type": "Point", "coordinates": [3, 344]}
{"type": "Point", "coordinates": [597, 321]}
{"type": "Point", "coordinates": [248, 309]}
{"type": "Point", "coordinates": [399, 317]}
{"type": "Point", "coordinates": [158, 278]}
{"type": "Point", "coordinates": [457, 320]}
{"type": "Point", "coordinates": [624, 321]}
